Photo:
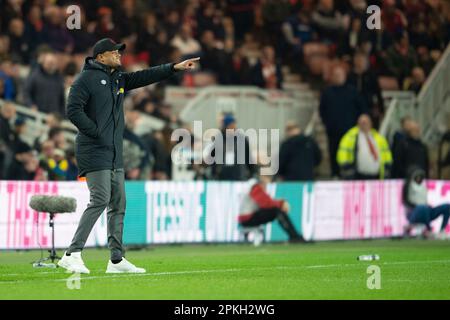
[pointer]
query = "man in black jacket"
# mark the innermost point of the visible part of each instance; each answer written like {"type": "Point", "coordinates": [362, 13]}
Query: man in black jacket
{"type": "Point", "coordinates": [235, 161]}
{"type": "Point", "coordinates": [44, 88]}
{"type": "Point", "coordinates": [340, 107]}
{"type": "Point", "coordinates": [7, 137]}
{"type": "Point", "coordinates": [24, 163]}
{"type": "Point", "coordinates": [365, 81]}
{"type": "Point", "coordinates": [95, 107]}
{"type": "Point", "coordinates": [410, 152]}
{"type": "Point", "coordinates": [299, 154]}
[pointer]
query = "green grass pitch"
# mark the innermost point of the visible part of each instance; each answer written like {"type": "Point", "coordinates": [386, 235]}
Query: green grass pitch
{"type": "Point", "coordinates": [409, 269]}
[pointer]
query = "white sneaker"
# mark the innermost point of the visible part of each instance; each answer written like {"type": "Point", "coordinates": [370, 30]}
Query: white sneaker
{"type": "Point", "coordinates": [123, 266]}
{"type": "Point", "coordinates": [73, 263]}
{"type": "Point", "coordinates": [442, 235]}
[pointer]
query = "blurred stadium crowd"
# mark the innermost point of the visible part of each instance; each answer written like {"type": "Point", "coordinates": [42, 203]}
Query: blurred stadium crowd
{"type": "Point", "coordinates": [240, 42]}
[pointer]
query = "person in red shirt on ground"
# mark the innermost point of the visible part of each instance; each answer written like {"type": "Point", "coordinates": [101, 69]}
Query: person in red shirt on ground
{"type": "Point", "coordinates": [258, 208]}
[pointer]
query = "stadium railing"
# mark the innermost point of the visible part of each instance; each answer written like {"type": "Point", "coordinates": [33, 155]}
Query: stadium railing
{"type": "Point", "coordinates": [36, 125]}
{"type": "Point", "coordinates": [400, 104]}
{"type": "Point", "coordinates": [434, 100]}
{"type": "Point", "coordinates": [430, 108]}
{"type": "Point", "coordinates": [253, 107]}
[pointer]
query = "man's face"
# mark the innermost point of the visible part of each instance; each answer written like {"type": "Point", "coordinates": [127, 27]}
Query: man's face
{"type": "Point", "coordinates": [406, 125]}
{"type": "Point", "coordinates": [403, 42]}
{"type": "Point", "coordinates": [208, 38]}
{"type": "Point", "coordinates": [338, 76]}
{"type": "Point", "coordinates": [8, 111]}
{"type": "Point", "coordinates": [52, 121]}
{"type": "Point", "coordinates": [48, 148]}
{"type": "Point", "coordinates": [414, 130]}
{"type": "Point", "coordinates": [269, 53]}
{"type": "Point", "coordinates": [21, 129]}
{"type": "Point", "coordinates": [418, 75]}
{"type": "Point", "coordinates": [16, 27]}
{"type": "Point", "coordinates": [162, 37]}
{"type": "Point", "coordinates": [59, 139]}
{"type": "Point", "coordinates": [111, 58]}
{"type": "Point", "coordinates": [364, 123]}
{"type": "Point", "coordinates": [186, 31]}
{"type": "Point", "coordinates": [360, 62]}
{"type": "Point", "coordinates": [50, 63]}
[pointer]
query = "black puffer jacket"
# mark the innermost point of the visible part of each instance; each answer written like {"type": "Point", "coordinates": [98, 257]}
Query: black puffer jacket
{"type": "Point", "coordinates": [299, 155]}
{"type": "Point", "coordinates": [95, 107]}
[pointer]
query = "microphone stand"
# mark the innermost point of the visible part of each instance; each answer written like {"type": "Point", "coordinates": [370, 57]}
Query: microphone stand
{"type": "Point", "coordinates": [53, 256]}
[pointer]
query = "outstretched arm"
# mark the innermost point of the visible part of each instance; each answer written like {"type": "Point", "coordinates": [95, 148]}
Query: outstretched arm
{"type": "Point", "coordinates": [155, 74]}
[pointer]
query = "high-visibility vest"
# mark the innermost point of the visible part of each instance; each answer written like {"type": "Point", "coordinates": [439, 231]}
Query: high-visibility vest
{"type": "Point", "coordinates": [346, 155]}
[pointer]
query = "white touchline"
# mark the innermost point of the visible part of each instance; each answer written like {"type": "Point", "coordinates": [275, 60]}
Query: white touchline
{"type": "Point", "coordinates": [169, 273]}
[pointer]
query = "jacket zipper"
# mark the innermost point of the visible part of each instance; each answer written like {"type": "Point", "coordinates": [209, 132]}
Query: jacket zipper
{"type": "Point", "coordinates": [114, 120]}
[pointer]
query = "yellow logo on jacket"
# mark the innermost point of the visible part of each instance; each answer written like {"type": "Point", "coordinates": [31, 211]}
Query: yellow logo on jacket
{"type": "Point", "coordinates": [121, 90]}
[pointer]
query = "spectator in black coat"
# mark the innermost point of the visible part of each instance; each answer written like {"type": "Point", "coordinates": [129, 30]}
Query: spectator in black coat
{"type": "Point", "coordinates": [24, 164]}
{"type": "Point", "coordinates": [239, 69]}
{"type": "Point", "coordinates": [106, 28]}
{"type": "Point", "coordinates": [297, 30]}
{"type": "Point", "coordinates": [83, 39]}
{"type": "Point", "coordinates": [160, 157]}
{"type": "Point", "coordinates": [7, 136]}
{"type": "Point", "coordinates": [7, 112]}
{"type": "Point", "coordinates": [34, 26]}
{"type": "Point", "coordinates": [172, 23]}
{"type": "Point", "coordinates": [210, 52]}
{"type": "Point", "coordinates": [299, 154]}
{"type": "Point", "coordinates": [399, 135]}
{"type": "Point", "coordinates": [417, 80]}
{"type": "Point", "coordinates": [148, 33]}
{"type": "Point", "coordinates": [160, 49]}
{"type": "Point", "coordinates": [228, 156]}
{"type": "Point", "coordinates": [329, 22]}
{"type": "Point", "coordinates": [243, 14]}
{"type": "Point", "coordinates": [267, 72]}
{"type": "Point", "coordinates": [44, 89]}
{"type": "Point", "coordinates": [410, 152]}
{"type": "Point", "coordinates": [366, 82]}
{"type": "Point", "coordinates": [18, 44]}
{"type": "Point", "coordinates": [340, 107]}
{"type": "Point", "coordinates": [400, 58]}
{"type": "Point", "coordinates": [357, 37]}
{"type": "Point", "coordinates": [55, 31]}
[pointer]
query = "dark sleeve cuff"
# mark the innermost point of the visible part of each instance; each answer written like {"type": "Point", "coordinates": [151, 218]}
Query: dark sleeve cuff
{"type": "Point", "coordinates": [172, 67]}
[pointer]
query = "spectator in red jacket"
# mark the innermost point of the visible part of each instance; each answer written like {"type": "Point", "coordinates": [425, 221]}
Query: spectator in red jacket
{"type": "Point", "coordinates": [258, 208]}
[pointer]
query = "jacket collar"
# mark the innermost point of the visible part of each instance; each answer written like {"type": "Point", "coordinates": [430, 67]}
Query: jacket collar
{"type": "Point", "coordinates": [90, 63]}
{"type": "Point", "coordinates": [355, 131]}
